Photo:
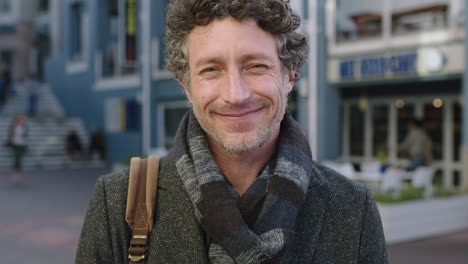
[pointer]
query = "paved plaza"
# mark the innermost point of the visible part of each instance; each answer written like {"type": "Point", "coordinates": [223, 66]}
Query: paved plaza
{"type": "Point", "coordinates": [40, 222]}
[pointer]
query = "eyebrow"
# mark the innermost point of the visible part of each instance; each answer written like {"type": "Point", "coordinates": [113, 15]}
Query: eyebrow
{"type": "Point", "coordinates": [244, 58]}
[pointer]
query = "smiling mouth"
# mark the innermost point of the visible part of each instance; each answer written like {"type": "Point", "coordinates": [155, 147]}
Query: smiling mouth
{"type": "Point", "coordinates": [239, 113]}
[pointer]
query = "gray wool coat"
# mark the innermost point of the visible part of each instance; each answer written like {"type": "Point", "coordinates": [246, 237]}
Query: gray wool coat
{"type": "Point", "coordinates": [338, 223]}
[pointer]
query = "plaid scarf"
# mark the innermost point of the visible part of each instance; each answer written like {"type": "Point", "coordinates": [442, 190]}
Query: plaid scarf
{"type": "Point", "coordinates": [258, 226]}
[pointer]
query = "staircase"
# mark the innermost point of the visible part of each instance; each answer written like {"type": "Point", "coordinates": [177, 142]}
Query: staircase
{"type": "Point", "coordinates": [48, 105]}
{"type": "Point", "coordinates": [46, 133]}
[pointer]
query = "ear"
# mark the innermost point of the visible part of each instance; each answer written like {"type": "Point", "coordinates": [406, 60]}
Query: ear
{"type": "Point", "coordinates": [186, 90]}
{"type": "Point", "coordinates": [291, 80]}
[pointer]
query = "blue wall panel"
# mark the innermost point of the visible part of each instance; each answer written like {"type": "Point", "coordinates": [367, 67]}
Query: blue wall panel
{"type": "Point", "coordinates": [120, 146]}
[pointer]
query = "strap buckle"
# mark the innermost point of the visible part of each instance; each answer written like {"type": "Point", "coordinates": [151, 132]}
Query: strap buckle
{"type": "Point", "coordinates": [136, 258]}
{"type": "Point", "coordinates": [137, 249]}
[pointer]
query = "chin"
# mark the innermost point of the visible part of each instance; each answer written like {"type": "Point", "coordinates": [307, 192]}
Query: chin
{"type": "Point", "coordinates": [244, 143]}
{"type": "Point", "coordinates": [235, 147]}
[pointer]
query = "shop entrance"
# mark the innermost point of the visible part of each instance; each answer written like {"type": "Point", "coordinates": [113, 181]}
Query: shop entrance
{"type": "Point", "coordinates": [374, 127]}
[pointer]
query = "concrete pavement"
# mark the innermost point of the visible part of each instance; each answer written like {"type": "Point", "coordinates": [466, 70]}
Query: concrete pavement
{"type": "Point", "coordinates": [40, 222]}
{"type": "Point", "coordinates": [447, 249]}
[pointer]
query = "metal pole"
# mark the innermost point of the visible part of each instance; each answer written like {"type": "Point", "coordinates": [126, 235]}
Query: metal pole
{"type": "Point", "coordinates": [465, 106]}
{"type": "Point", "coordinates": [146, 75]}
{"type": "Point", "coordinates": [312, 76]}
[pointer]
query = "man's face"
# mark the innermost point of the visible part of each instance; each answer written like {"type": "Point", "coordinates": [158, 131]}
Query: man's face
{"type": "Point", "coordinates": [237, 85]}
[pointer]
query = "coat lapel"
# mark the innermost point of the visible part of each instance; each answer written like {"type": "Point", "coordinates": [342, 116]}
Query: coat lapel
{"type": "Point", "coordinates": [309, 223]}
{"type": "Point", "coordinates": [177, 236]}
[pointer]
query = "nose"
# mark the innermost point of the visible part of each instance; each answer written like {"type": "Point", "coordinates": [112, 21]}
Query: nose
{"type": "Point", "coordinates": [235, 90]}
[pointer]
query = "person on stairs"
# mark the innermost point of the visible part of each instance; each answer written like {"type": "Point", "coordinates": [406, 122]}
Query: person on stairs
{"type": "Point", "coordinates": [17, 140]}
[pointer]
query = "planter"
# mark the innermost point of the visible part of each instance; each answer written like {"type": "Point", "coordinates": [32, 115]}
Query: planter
{"type": "Point", "coordinates": [423, 218]}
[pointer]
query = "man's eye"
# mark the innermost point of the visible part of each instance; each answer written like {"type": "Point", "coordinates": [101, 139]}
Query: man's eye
{"type": "Point", "coordinates": [258, 67]}
{"type": "Point", "coordinates": [209, 69]}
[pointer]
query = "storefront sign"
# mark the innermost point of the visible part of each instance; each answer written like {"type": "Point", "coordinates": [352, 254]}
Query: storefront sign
{"type": "Point", "coordinates": [378, 67]}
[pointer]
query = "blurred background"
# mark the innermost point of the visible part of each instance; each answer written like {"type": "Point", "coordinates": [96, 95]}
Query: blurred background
{"type": "Point", "coordinates": [83, 88]}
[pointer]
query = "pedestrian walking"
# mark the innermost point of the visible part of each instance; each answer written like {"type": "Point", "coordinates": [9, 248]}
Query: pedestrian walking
{"type": "Point", "coordinates": [97, 146]}
{"type": "Point", "coordinates": [32, 87]}
{"type": "Point", "coordinates": [74, 146]}
{"type": "Point", "coordinates": [17, 141]}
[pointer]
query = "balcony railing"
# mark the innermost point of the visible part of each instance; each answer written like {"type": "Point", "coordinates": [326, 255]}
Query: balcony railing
{"type": "Point", "coordinates": [385, 20]}
{"type": "Point", "coordinates": [420, 19]}
{"type": "Point", "coordinates": [366, 25]}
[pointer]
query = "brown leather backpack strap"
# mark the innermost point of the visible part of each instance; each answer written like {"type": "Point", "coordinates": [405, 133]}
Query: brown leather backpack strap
{"type": "Point", "coordinates": [142, 187]}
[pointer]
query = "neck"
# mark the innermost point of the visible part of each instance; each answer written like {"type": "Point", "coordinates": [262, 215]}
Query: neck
{"type": "Point", "coordinates": [241, 169]}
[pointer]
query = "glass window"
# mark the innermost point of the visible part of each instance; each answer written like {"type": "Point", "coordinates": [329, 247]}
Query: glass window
{"type": "Point", "coordinates": [43, 5]}
{"type": "Point", "coordinates": [405, 113]}
{"type": "Point", "coordinates": [123, 115]}
{"type": "Point", "coordinates": [461, 14]}
{"type": "Point", "coordinates": [172, 117]}
{"type": "Point", "coordinates": [77, 32]}
{"type": "Point", "coordinates": [456, 130]}
{"type": "Point", "coordinates": [5, 6]}
{"type": "Point", "coordinates": [6, 59]}
{"type": "Point", "coordinates": [110, 36]}
{"type": "Point", "coordinates": [119, 35]}
{"type": "Point", "coordinates": [358, 19]}
{"type": "Point", "coordinates": [380, 128]}
{"type": "Point", "coordinates": [411, 16]}
{"type": "Point", "coordinates": [456, 178]}
{"type": "Point", "coordinates": [433, 125]}
{"type": "Point", "coordinates": [356, 137]}
{"type": "Point", "coordinates": [132, 115]}
{"type": "Point", "coordinates": [130, 35]}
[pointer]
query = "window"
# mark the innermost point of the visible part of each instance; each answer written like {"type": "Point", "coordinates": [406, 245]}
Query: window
{"type": "Point", "coordinates": [170, 114]}
{"type": "Point", "coordinates": [358, 19]}
{"type": "Point", "coordinates": [407, 18]}
{"type": "Point", "coordinates": [77, 32]}
{"type": "Point", "coordinates": [461, 14]}
{"type": "Point", "coordinates": [405, 113]}
{"type": "Point", "coordinates": [5, 6]}
{"type": "Point", "coordinates": [433, 125]}
{"type": "Point", "coordinates": [356, 136]}
{"type": "Point", "coordinates": [44, 5]}
{"type": "Point", "coordinates": [6, 59]}
{"type": "Point", "coordinates": [380, 116]}
{"type": "Point", "coordinates": [123, 115]}
{"type": "Point", "coordinates": [456, 130]}
{"type": "Point", "coordinates": [119, 38]}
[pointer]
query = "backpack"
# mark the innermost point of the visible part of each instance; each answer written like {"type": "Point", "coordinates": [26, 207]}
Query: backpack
{"type": "Point", "coordinates": [141, 200]}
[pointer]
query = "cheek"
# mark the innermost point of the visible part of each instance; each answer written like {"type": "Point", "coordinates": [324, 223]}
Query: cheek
{"type": "Point", "coordinates": [271, 88]}
{"type": "Point", "coordinates": [203, 94]}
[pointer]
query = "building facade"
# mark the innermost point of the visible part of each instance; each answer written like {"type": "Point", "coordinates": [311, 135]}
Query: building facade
{"type": "Point", "coordinates": [107, 67]}
{"type": "Point", "coordinates": [388, 62]}
{"type": "Point", "coordinates": [23, 36]}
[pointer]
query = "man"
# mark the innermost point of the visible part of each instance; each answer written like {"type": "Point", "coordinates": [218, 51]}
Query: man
{"type": "Point", "coordinates": [240, 185]}
{"type": "Point", "coordinates": [32, 86]}
{"type": "Point", "coordinates": [418, 144]}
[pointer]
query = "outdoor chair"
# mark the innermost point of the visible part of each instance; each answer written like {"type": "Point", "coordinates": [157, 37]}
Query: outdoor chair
{"type": "Point", "coordinates": [422, 178]}
{"type": "Point", "coordinates": [370, 167]}
{"type": "Point", "coordinates": [346, 169]}
{"type": "Point", "coordinates": [391, 181]}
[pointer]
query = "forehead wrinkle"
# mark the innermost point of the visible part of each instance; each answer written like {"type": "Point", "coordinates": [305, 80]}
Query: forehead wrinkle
{"type": "Point", "coordinates": [218, 54]}
{"type": "Point", "coordinates": [243, 58]}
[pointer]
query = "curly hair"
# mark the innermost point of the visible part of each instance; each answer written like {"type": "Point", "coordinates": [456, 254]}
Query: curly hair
{"type": "Point", "coordinates": [273, 16]}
